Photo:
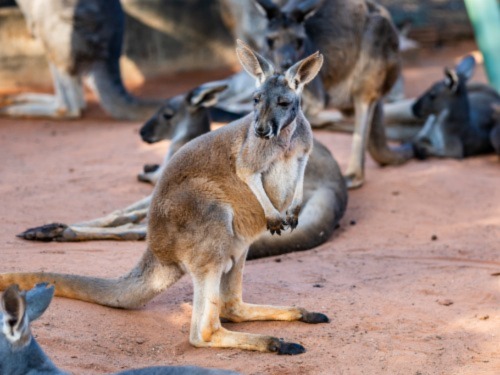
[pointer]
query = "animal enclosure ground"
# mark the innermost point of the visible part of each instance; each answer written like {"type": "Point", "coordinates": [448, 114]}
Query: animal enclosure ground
{"type": "Point", "coordinates": [411, 280]}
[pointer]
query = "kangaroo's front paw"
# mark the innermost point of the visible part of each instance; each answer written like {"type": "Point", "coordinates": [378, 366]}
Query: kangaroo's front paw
{"type": "Point", "coordinates": [275, 224]}
{"type": "Point", "coordinates": [292, 217]}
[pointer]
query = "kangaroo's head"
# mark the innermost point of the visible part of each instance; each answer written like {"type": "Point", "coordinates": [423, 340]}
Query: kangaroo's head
{"type": "Point", "coordinates": [443, 94]}
{"type": "Point", "coordinates": [286, 37]}
{"type": "Point", "coordinates": [277, 98]}
{"type": "Point", "coordinates": [19, 309]}
{"type": "Point", "coordinates": [183, 115]}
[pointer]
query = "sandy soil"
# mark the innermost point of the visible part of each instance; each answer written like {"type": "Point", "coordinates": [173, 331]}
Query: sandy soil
{"type": "Point", "coordinates": [411, 280]}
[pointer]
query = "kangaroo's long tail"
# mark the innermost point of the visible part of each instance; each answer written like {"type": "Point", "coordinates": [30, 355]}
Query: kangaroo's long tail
{"type": "Point", "coordinates": [146, 280]}
{"type": "Point", "coordinates": [325, 196]}
{"type": "Point", "coordinates": [105, 80]}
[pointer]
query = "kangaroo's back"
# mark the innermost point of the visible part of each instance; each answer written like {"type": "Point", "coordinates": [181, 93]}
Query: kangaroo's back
{"type": "Point", "coordinates": [204, 170]}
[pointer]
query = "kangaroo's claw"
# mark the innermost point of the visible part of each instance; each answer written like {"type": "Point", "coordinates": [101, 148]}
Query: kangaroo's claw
{"type": "Point", "coordinates": [276, 225]}
{"type": "Point", "coordinates": [45, 233]}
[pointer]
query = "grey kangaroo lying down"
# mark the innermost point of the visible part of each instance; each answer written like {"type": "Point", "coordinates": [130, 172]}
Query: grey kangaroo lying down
{"type": "Point", "coordinates": [217, 195]}
{"type": "Point", "coordinates": [82, 39]}
{"type": "Point", "coordinates": [20, 352]}
{"type": "Point", "coordinates": [182, 119]}
{"type": "Point", "coordinates": [460, 117]}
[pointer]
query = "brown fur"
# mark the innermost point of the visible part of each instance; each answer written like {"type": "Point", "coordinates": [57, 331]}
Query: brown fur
{"type": "Point", "coordinates": [213, 200]}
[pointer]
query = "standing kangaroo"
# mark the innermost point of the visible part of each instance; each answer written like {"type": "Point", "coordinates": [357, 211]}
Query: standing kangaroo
{"type": "Point", "coordinates": [21, 353]}
{"type": "Point", "coordinates": [218, 194]}
{"type": "Point", "coordinates": [460, 117]}
{"type": "Point", "coordinates": [360, 45]}
{"type": "Point", "coordinates": [82, 39]}
{"type": "Point", "coordinates": [182, 119]}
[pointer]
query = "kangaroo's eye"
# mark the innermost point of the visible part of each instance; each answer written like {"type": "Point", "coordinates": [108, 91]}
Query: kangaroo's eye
{"type": "Point", "coordinates": [167, 115]}
{"type": "Point", "coordinates": [270, 43]}
{"type": "Point", "coordinates": [284, 103]}
{"type": "Point", "coordinates": [256, 100]}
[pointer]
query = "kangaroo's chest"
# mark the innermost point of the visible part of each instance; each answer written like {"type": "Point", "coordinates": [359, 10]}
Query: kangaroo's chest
{"type": "Point", "coordinates": [280, 181]}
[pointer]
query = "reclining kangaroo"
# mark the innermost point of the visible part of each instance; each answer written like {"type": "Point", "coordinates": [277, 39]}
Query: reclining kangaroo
{"type": "Point", "coordinates": [20, 352]}
{"type": "Point", "coordinates": [217, 195]}
{"type": "Point", "coordinates": [82, 39]}
{"type": "Point", "coordinates": [360, 45]}
{"type": "Point", "coordinates": [183, 118]}
{"type": "Point", "coordinates": [460, 117]}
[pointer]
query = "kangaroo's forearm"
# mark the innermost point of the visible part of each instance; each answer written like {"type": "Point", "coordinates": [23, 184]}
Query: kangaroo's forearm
{"type": "Point", "coordinates": [254, 182]}
{"type": "Point", "coordinates": [299, 186]}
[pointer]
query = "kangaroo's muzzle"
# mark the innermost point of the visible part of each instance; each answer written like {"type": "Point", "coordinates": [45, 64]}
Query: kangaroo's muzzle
{"type": "Point", "coordinates": [264, 131]}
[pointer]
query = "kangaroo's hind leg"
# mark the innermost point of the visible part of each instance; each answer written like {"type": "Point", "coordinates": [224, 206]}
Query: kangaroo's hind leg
{"type": "Point", "coordinates": [234, 309]}
{"type": "Point", "coordinates": [66, 103]}
{"type": "Point", "coordinates": [206, 329]}
{"type": "Point", "coordinates": [363, 111]}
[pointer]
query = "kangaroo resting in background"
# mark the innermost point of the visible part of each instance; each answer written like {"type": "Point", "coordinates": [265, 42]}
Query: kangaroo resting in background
{"type": "Point", "coordinates": [360, 45]}
{"type": "Point", "coordinates": [217, 195]}
{"type": "Point", "coordinates": [181, 119]}
{"type": "Point", "coordinates": [21, 353]}
{"type": "Point", "coordinates": [460, 116]}
{"type": "Point", "coordinates": [82, 39]}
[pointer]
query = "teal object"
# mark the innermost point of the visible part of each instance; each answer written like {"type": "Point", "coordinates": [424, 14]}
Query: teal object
{"type": "Point", "coordinates": [485, 18]}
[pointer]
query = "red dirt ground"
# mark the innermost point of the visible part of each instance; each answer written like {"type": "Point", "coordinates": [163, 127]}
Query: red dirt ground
{"type": "Point", "coordinates": [400, 302]}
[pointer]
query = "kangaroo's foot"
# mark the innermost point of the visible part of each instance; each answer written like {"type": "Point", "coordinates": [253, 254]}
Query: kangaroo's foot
{"type": "Point", "coordinates": [238, 311]}
{"type": "Point", "coordinates": [45, 233]}
{"type": "Point", "coordinates": [223, 338]}
{"type": "Point", "coordinates": [353, 180]}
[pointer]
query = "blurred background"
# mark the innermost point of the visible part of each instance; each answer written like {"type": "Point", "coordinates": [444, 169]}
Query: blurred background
{"type": "Point", "coordinates": [168, 36]}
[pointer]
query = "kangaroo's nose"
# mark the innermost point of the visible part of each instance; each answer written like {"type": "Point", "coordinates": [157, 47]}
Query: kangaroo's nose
{"type": "Point", "coordinates": [147, 135]}
{"type": "Point", "coordinates": [262, 131]}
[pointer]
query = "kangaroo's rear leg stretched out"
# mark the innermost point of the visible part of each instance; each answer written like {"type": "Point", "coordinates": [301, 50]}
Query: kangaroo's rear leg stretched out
{"type": "Point", "coordinates": [182, 119]}
{"type": "Point", "coordinates": [216, 197]}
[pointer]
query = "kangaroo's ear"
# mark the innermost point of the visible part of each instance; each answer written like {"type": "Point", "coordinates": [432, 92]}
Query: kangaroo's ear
{"type": "Point", "coordinates": [14, 307]}
{"type": "Point", "coordinates": [255, 65]}
{"type": "Point", "coordinates": [451, 79]}
{"type": "Point", "coordinates": [38, 299]}
{"type": "Point", "coordinates": [267, 8]}
{"type": "Point", "coordinates": [206, 95]}
{"type": "Point", "coordinates": [305, 9]}
{"type": "Point", "coordinates": [304, 71]}
{"type": "Point", "coordinates": [466, 66]}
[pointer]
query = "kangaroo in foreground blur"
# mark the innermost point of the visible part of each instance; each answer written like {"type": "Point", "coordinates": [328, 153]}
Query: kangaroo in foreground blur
{"type": "Point", "coordinates": [360, 45]}
{"type": "Point", "coordinates": [82, 39]}
{"type": "Point", "coordinates": [20, 352]}
{"type": "Point", "coordinates": [216, 196]}
{"type": "Point", "coordinates": [460, 117]}
{"type": "Point", "coordinates": [181, 119]}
